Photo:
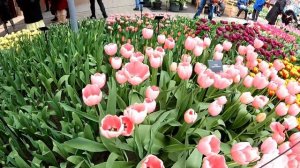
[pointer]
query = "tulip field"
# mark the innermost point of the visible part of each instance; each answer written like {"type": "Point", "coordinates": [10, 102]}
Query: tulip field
{"type": "Point", "coordinates": [128, 93]}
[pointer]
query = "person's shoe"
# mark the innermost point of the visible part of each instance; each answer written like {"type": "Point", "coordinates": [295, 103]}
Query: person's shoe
{"type": "Point", "coordinates": [92, 17]}
{"type": "Point", "coordinates": [54, 19]}
{"type": "Point", "coordinates": [136, 9]}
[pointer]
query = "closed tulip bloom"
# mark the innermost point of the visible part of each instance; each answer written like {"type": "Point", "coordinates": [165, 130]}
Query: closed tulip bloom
{"type": "Point", "coordinates": [120, 76]}
{"type": "Point", "coordinates": [199, 68]}
{"type": "Point", "coordinates": [92, 95]}
{"type": "Point", "coordinates": [243, 70]}
{"type": "Point", "coordinates": [251, 64]}
{"type": "Point", "coordinates": [199, 42]}
{"type": "Point", "coordinates": [278, 65]}
{"type": "Point", "coordinates": [169, 43]}
{"type": "Point", "coordinates": [111, 49]}
{"type": "Point", "coordinates": [116, 62]}
{"type": "Point", "coordinates": [242, 50]}
{"type": "Point", "coordinates": [293, 87]}
{"type": "Point", "coordinates": [127, 50]}
{"type": "Point", "coordinates": [128, 126]}
{"type": "Point", "coordinates": [98, 79]}
{"type": "Point", "coordinates": [239, 60]}
{"type": "Point", "coordinates": [290, 99]}
{"type": "Point", "coordinates": [258, 43]}
{"type": "Point", "coordinates": [214, 108]}
{"type": "Point", "coordinates": [218, 56]}
{"type": "Point", "coordinates": [294, 109]}
{"type": "Point", "coordinates": [278, 132]}
{"type": "Point", "coordinates": [283, 147]}
{"type": "Point", "coordinates": [186, 58]}
{"type": "Point", "coordinates": [251, 56]}
{"type": "Point", "coordinates": [281, 109]}
{"type": "Point", "coordinates": [204, 81]}
{"type": "Point", "coordinates": [150, 104]}
{"type": "Point", "coordinates": [263, 66]}
{"type": "Point", "coordinates": [281, 161]}
{"type": "Point", "coordinates": [173, 67]}
{"type": "Point", "coordinates": [190, 116]}
{"type": "Point", "coordinates": [161, 39]}
{"type": "Point", "coordinates": [209, 145]}
{"type": "Point", "coordinates": [214, 161]}
{"type": "Point", "coordinates": [147, 33]}
{"type": "Point", "coordinates": [111, 126]}
{"type": "Point", "coordinates": [198, 50]}
{"type": "Point", "coordinates": [260, 117]}
{"type": "Point", "coordinates": [152, 92]}
{"type": "Point", "coordinates": [189, 43]}
{"type": "Point", "coordinates": [246, 98]}
{"type": "Point", "coordinates": [219, 48]}
{"type": "Point", "coordinates": [149, 51]}
{"type": "Point", "coordinates": [260, 101]}
{"type": "Point", "coordinates": [136, 112]}
{"type": "Point", "coordinates": [294, 139]}
{"type": "Point", "coordinates": [272, 85]}
{"type": "Point", "coordinates": [282, 92]}
{"type": "Point", "coordinates": [137, 56]}
{"type": "Point", "coordinates": [260, 82]}
{"type": "Point", "coordinates": [243, 153]}
{"type": "Point", "coordinates": [268, 146]}
{"type": "Point", "coordinates": [290, 122]}
{"type": "Point", "coordinates": [250, 48]}
{"type": "Point", "coordinates": [185, 70]}
{"type": "Point", "coordinates": [227, 45]}
{"type": "Point", "coordinates": [156, 61]}
{"type": "Point", "coordinates": [221, 100]}
{"type": "Point", "coordinates": [207, 42]}
{"type": "Point", "coordinates": [152, 161]}
{"type": "Point", "coordinates": [222, 83]}
{"type": "Point", "coordinates": [159, 52]}
{"type": "Point", "coordinates": [136, 72]}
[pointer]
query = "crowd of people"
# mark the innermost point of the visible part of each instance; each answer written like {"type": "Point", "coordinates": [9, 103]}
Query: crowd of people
{"type": "Point", "coordinates": [289, 9]}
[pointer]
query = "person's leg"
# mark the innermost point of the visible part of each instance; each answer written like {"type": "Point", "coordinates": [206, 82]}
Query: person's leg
{"type": "Point", "coordinates": [5, 27]}
{"type": "Point", "coordinates": [92, 3]}
{"type": "Point", "coordinates": [256, 15]}
{"type": "Point", "coordinates": [47, 5]}
{"type": "Point", "coordinates": [12, 24]}
{"type": "Point", "coordinates": [253, 14]}
{"type": "Point", "coordinates": [239, 12]}
{"type": "Point", "coordinates": [137, 4]}
{"type": "Point", "coordinates": [200, 8]}
{"type": "Point", "coordinates": [211, 11]}
{"type": "Point", "coordinates": [246, 13]}
{"type": "Point", "coordinates": [221, 8]}
{"type": "Point", "coordinates": [102, 8]}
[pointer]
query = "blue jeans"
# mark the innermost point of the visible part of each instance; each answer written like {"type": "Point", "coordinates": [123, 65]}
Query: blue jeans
{"type": "Point", "coordinates": [200, 9]}
{"type": "Point", "coordinates": [137, 4]}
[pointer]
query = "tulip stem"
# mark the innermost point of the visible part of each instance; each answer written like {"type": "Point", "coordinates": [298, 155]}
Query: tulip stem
{"type": "Point", "coordinates": [154, 77]}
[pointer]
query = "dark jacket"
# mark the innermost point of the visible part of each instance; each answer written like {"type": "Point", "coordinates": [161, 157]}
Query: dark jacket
{"type": "Point", "coordinates": [5, 14]}
{"type": "Point", "coordinates": [276, 10]}
{"type": "Point", "coordinates": [31, 10]}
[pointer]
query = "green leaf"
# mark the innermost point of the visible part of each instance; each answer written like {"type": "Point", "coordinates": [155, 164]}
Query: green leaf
{"type": "Point", "coordinates": [194, 160]}
{"type": "Point", "coordinates": [116, 164]}
{"type": "Point", "coordinates": [88, 134]}
{"type": "Point", "coordinates": [85, 144]}
{"type": "Point", "coordinates": [178, 148]}
{"type": "Point", "coordinates": [112, 97]}
{"type": "Point", "coordinates": [85, 115]}
{"type": "Point", "coordinates": [111, 159]}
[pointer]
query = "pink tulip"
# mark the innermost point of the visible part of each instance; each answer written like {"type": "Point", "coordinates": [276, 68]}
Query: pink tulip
{"type": "Point", "coordinates": [190, 116]}
{"type": "Point", "coordinates": [116, 62]}
{"type": "Point", "coordinates": [281, 161]}
{"type": "Point", "coordinates": [221, 100]}
{"type": "Point", "coordinates": [272, 85]}
{"type": "Point", "coordinates": [209, 145]}
{"type": "Point", "coordinates": [111, 49]}
{"type": "Point", "coordinates": [263, 66]}
{"type": "Point", "coordinates": [214, 161]}
{"type": "Point", "coordinates": [251, 64]}
{"type": "Point", "coordinates": [136, 112]}
{"type": "Point", "coordinates": [294, 161]}
{"type": "Point", "coordinates": [214, 108]}
{"type": "Point", "coordinates": [278, 64]}
{"type": "Point", "coordinates": [161, 39]}
{"type": "Point", "coordinates": [242, 50]}
{"type": "Point", "coordinates": [111, 126]}
{"type": "Point", "coordinates": [159, 52]}
{"type": "Point", "coordinates": [152, 92]}
{"type": "Point", "coordinates": [268, 146]}
{"type": "Point", "coordinates": [248, 81]}
{"type": "Point", "coordinates": [204, 81]}
{"type": "Point", "coordinates": [169, 43]}
{"type": "Point", "coordinates": [173, 67]}
{"type": "Point", "coordinates": [278, 138]}
{"type": "Point", "coordinates": [283, 147]}
{"type": "Point", "coordinates": [246, 98]}
{"type": "Point", "coordinates": [294, 109]}
{"type": "Point", "coordinates": [250, 48]}
{"type": "Point", "coordinates": [199, 42]}
{"type": "Point", "coordinates": [243, 153]}
{"type": "Point", "coordinates": [260, 82]}
{"type": "Point", "coordinates": [278, 132]}
{"type": "Point", "coordinates": [189, 43]}
{"type": "Point", "coordinates": [199, 68]}
{"type": "Point", "coordinates": [207, 42]}
{"type": "Point", "coordinates": [92, 95]}
{"type": "Point", "coordinates": [293, 87]}
{"type": "Point", "coordinates": [120, 76]}
{"type": "Point", "coordinates": [218, 48]}
{"type": "Point", "coordinates": [258, 43]}
{"type": "Point", "coordinates": [239, 60]}
{"type": "Point", "coordinates": [281, 109]}
{"type": "Point", "coordinates": [137, 56]}
{"type": "Point", "coordinates": [152, 161]}
{"type": "Point", "coordinates": [98, 79]}
{"type": "Point", "coordinates": [147, 33]}
{"type": "Point", "coordinates": [149, 51]}
{"type": "Point", "coordinates": [136, 72]}
{"type": "Point", "coordinates": [294, 139]}
{"type": "Point", "coordinates": [128, 126]}
{"type": "Point", "coordinates": [156, 61]}
{"type": "Point", "coordinates": [186, 58]}
{"type": "Point", "coordinates": [260, 101]}
{"type": "Point", "coordinates": [218, 56]}
{"type": "Point", "coordinates": [198, 50]}
{"type": "Point", "coordinates": [184, 70]}
{"type": "Point", "coordinates": [227, 45]}
{"type": "Point", "coordinates": [282, 92]}
{"type": "Point", "coordinates": [251, 56]}
{"type": "Point", "coordinates": [127, 50]}
{"type": "Point", "coordinates": [290, 99]}
{"type": "Point", "coordinates": [243, 70]}
{"type": "Point", "coordinates": [150, 104]}
{"type": "Point", "coordinates": [290, 122]}
{"type": "Point", "coordinates": [222, 83]}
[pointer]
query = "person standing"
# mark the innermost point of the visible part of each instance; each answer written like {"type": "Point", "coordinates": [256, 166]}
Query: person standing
{"type": "Point", "coordinates": [102, 8]}
{"type": "Point", "coordinates": [137, 5]}
{"type": "Point", "coordinates": [211, 4]}
{"type": "Point", "coordinates": [32, 13]}
{"type": "Point", "coordinates": [221, 8]}
{"type": "Point", "coordinates": [47, 5]}
{"type": "Point", "coordinates": [276, 10]}
{"type": "Point", "coordinates": [5, 15]}
{"type": "Point", "coordinates": [61, 12]}
{"type": "Point", "coordinates": [242, 6]}
{"type": "Point", "coordinates": [258, 6]}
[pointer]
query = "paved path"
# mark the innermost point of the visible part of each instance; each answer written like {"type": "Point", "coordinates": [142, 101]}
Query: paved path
{"type": "Point", "coordinates": [114, 7]}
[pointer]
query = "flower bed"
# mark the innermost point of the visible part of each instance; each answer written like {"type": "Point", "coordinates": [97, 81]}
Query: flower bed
{"type": "Point", "coordinates": [122, 94]}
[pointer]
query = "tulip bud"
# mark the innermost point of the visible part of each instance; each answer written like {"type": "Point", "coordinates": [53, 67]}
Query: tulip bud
{"type": "Point", "coordinates": [261, 117]}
